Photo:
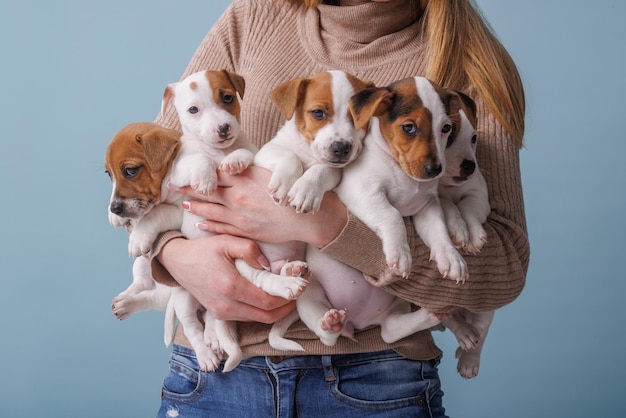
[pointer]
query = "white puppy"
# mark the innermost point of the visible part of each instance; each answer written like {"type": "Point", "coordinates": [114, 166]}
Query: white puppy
{"type": "Point", "coordinates": [209, 110]}
{"type": "Point", "coordinates": [464, 198]}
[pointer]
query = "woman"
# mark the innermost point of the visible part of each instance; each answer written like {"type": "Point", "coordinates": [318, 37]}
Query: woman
{"type": "Point", "coordinates": [269, 42]}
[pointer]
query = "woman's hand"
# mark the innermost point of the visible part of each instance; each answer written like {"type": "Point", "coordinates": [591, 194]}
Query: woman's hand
{"type": "Point", "coordinates": [242, 206]}
{"type": "Point", "coordinates": [205, 267]}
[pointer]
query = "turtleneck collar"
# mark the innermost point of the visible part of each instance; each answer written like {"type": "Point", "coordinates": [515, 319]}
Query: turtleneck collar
{"type": "Point", "coordinates": [366, 22]}
{"type": "Point", "coordinates": [362, 36]}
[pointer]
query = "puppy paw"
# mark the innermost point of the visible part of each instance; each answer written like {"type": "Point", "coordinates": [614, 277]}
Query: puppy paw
{"type": "Point", "coordinates": [237, 161]}
{"type": "Point", "coordinates": [467, 336]}
{"type": "Point", "coordinates": [140, 243]}
{"type": "Point", "coordinates": [279, 187]}
{"type": "Point", "coordinates": [468, 364]}
{"type": "Point", "coordinates": [305, 197]}
{"type": "Point", "coordinates": [399, 260]}
{"type": "Point", "coordinates": [204, 182]}
{"type": "Point", "coordinates": [333, 321]}
{"type": "Point", "coordinates": [459, 233]}
{"type": "Point", "coordinates": [123, 306]}
{"type": "Point", "coordinates": [477, 239]}
{"type": "Point", "coordinates": [450, 263]}
{"type": "Point", "coordinates": [294, 281]}
{"type": "Point", "coordinates": [208, 359]}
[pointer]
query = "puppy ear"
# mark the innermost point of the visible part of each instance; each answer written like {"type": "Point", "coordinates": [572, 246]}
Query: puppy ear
{"type": "Point", "coordinates": [287, 96]}
{"type": "Point", "coordinates": [237, 81]}
{"type": "Point", "coordinates": [160, 145]}
{"type": "Point", "coordinates": [456, 101]}
{"type": "Point", "coordinates": [168, 96]}
{"type": "Point", "coordinates": [368, 103]}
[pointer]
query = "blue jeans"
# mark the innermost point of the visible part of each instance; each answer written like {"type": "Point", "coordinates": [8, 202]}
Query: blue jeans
{"type": "Point", "coordinates": [382, 384]}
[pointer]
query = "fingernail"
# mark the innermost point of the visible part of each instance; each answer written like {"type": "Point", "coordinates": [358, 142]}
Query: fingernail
{"type": "Point", "coordinates": [186, 205]}
{"type": "Point", "coordinates": [172, 186]}
{"type": "Point", "coordinates": [264, 262]}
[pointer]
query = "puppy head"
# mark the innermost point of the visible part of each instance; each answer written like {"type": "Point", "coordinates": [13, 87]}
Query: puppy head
{"type": "Point", "coordinates": [207, 106]}
{"type": "Point", "coordinates": [461, 162]}
{"type": "Point", "coordinates": [412, 121]}
{"type": "Point", "coordinates": [319, 107]}
{"type": "Point", "coordinates": [138, 159]}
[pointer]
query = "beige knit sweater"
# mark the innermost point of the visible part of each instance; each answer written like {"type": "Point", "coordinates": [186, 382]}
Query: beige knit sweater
{"type": "Point", "coordinates": [269, 42]}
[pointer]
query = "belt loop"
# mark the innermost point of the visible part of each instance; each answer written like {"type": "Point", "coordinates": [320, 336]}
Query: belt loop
{"type": "Point", "coordinates": [329, 372]}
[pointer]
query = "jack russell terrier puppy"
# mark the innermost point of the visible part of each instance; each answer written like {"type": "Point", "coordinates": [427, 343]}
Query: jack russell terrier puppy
{"type": "Point", "coordinates": [395, 176]}
{"type": "Point", "coordinates": [209, 110]}
{"type": "Point", "coordinates": [307, 154]}
{"type": "Point", "coordinates": [465, 201]}
{"type": "Point", "coordinates": [139, 160]}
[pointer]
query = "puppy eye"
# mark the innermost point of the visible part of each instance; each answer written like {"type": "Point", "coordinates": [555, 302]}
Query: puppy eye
{"type": "Point", "coordinates": [409, 129]}
{"type": "Point", "coordinates": [446, 128]}
{"type": "Point", "coordinates": [228, 98]}
{"type": "Point", "coordinates": [474, 139]}
{"type": "Point", "coordinates": [193, 110]}
{"type": "Point", "coordinates": [130, 172]}
{"type": "Point", "coordinates": [318, 114]}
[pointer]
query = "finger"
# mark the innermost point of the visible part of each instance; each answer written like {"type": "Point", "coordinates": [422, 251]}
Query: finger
{"type": "Point", "coordinates": [189, 191]}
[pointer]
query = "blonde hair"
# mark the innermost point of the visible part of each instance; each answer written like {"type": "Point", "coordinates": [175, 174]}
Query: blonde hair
{"type": "Point", "coordinates": [463, 53]}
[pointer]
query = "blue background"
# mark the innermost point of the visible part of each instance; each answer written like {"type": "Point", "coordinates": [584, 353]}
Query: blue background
{"type": "Point", "coordinates": [74, 72]}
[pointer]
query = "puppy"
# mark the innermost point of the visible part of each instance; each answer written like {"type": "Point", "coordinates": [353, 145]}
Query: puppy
{"type": "Point", "coordinates": [465, 201]}
{"type": "Point", "coordinates": [395, 176]}
{"type": "Point", "coordinates": [307, 154]}
{"type": "Point", "coordinates": [209, 110]}
{"type": "Point", "coordinates": [139, 161]}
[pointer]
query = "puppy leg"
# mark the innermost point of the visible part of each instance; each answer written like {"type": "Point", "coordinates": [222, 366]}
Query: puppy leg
{"type": "Point", "coordinates": [466, 335]}
{"type": "Point", "coordinates": [285, 166]}
{"type": "Point", "coordinates": [430, 226]}
{"type": "Point", "coordinates": [313, 309]}
{"type": "Point", "coordinates": [378, 214]}
{"type": "Point", "coordinates": [288, 286]}
{"type": "Point", "coordinates": [161, 218]}
{"type": "Point", "coordinates": [196, 169]}
{"type": "Point", "coordinates": [142, 295]}
{"type": "Point", "coordinates": [186, 308]}
{"type": "Point", "coordinates": [457, 228]}
{"type": "Point", "coordinates": [399, 322]}
{"type": "Point", "coordinates": [469, 361]}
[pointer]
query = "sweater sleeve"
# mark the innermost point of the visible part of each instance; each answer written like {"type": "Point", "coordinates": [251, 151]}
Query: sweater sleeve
{"type": "Point", "coordinates": [496, 275]}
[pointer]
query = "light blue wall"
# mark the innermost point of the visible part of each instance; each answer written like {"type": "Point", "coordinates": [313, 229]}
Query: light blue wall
{"type": "Point", "coordinates": [74, 72]}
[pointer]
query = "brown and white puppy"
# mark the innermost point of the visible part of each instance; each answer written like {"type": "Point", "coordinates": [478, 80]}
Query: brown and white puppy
{"type": "Point", "coordinates": [138, 161]}
{"type": "Point", "coordinates": [465, 201]}
{"type": "Point", "coordinates": [462, 188]}
{"type": "Point", "coordinates": [395, 176]}
{"type": "Point", "coordinates": [307, 154]}
{"type": "Point", "coordinates": [319, 138]}
{"type": "Point", "coordinates": [209, 112]}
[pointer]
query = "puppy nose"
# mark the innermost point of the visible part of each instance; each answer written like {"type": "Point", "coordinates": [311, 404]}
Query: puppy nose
{"type": "Point", "coordinates": [468, 167]}
{"type": "Point", "coordinates": [117, 208]}
{"type": "Point", "coordinates": [223, 130]}
{"type": "Point", "coordinates": [340, 149]}
{"type": "Point", "coordinates": [432, 170]}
